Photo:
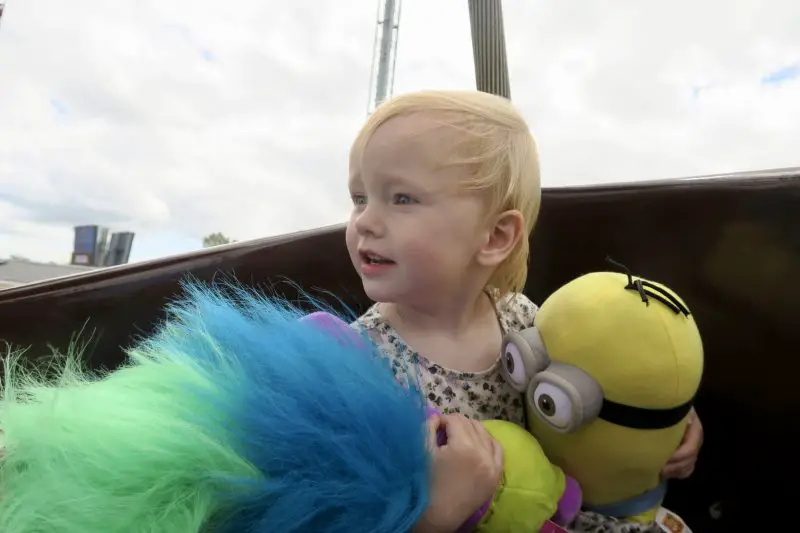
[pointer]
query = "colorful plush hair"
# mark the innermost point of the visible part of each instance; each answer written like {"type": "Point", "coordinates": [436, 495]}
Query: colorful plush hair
{"type": "Point", "coordinates": [234, 417]}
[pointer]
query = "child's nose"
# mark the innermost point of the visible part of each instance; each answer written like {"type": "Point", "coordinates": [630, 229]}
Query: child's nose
{"type": "Point", "coordinates": [369, 221]}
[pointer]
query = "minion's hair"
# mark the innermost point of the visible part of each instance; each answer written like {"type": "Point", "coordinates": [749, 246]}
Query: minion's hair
{"type": "Point", "coordinates": [498, 149]}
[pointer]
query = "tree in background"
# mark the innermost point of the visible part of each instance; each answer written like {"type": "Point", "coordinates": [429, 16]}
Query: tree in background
{"type": "Point", "coordinates": [215, 239]}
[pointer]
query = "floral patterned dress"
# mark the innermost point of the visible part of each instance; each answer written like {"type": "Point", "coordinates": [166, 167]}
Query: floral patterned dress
{"type": "Point", "coordinates": [479, 395]}
{"type": "Point", "coordinates": [589, 522]}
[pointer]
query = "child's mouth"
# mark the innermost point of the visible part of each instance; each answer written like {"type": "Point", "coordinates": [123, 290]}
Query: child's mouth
{"type": "Point", "coordinates": [375, 259]}
{"type": "Point", "coordinates": [372, 259]}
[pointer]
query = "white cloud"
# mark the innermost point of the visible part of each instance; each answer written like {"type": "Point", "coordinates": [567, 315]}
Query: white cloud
{"type": "Point", "coordinates": [178, 118]}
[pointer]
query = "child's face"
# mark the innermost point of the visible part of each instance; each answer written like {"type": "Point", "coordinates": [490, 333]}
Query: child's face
{"type": "Point", "coordinates": [414, 232]}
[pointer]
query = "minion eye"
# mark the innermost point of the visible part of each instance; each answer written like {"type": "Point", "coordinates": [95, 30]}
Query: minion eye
{"type": "Point", "coordinates": [524, 355]}
{"type": "Point", "coordinates": [553, 405]}
{"type": "Point", "coordinates": [515, 367]}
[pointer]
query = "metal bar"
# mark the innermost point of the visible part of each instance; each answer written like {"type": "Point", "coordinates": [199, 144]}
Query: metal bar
{"type": "Point", "coordinates": [385, 62]}
{"type": "Point", "coordinates": [385, 52]}
{"type": "Point", "coordinates": [489, 47]}
{"type": "Point", "coordinates": [375, 56]}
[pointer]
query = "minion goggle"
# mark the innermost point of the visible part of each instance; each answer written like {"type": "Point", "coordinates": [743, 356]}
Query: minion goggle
{"type": "Point", "coordinates": [568, 398]}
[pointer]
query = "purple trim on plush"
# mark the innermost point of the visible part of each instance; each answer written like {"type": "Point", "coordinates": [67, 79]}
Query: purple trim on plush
{"type": "Point", "coordinates": [441, 436]}
{"type": "Point", "coordinates": [329, 322]}
{"type": "Point", "coordinates": [430, 411]}
{"type": "Point", "coordinates": [474, 520]}
{"type": "Point", "coordinates": [337, 327]}
{"type": "Point", "coordinates": [551, 527]}
{"type": "Point", "coordinates": [570, 503]}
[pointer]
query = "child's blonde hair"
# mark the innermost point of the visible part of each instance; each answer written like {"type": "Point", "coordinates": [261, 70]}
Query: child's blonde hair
{"type": "Point", "coordinates": [497, 146]}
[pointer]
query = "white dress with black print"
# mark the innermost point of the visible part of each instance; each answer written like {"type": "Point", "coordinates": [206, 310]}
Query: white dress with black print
{"type": "Point", "coordinates": [482, 395]}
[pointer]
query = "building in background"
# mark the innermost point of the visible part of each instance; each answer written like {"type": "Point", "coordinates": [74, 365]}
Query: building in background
{"type": "Point", "coordinates": [16, 272]}
{"type": "Point", "coordinates": [93, 247]}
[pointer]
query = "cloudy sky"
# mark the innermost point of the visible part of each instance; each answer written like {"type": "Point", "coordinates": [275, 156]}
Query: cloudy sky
{"type": "Point", "coordinates": [177, 118]}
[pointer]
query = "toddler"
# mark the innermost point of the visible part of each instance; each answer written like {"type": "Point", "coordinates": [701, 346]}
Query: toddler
{"type": "Point", "coordinates": [446, 191]}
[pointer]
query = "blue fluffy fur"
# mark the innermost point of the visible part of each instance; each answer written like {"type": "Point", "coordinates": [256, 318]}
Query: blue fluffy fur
{"type": "Point", "coordinates": [341, 445]}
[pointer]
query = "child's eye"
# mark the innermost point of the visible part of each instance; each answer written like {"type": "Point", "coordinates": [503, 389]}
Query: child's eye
{"type": "Point", "coordinates": [403, 199]}
{"type": "Point", "coordinates": [358, 199]}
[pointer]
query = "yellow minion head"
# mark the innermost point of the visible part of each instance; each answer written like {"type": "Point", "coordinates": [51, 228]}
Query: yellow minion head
{"type": "Point", "coordinates": [609, 372]}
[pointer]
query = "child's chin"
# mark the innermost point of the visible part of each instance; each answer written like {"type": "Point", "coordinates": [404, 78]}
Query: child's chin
{"type": "Point", "coordinates": [379, 292]}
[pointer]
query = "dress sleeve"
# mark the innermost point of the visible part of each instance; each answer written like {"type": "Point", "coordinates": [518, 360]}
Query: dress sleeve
{"type": "Point", "coordinates": [518, 310]}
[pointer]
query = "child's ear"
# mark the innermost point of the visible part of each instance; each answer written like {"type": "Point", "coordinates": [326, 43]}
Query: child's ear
{"type": "Point", "coordinates": [503, 236]}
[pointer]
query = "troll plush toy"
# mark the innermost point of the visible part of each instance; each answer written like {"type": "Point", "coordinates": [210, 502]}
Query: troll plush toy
{"type": "Point", "coordinates": [239, 415]}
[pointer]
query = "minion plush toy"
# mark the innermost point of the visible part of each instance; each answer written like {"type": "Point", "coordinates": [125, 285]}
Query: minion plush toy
{"type": "Point", "coordinates": [609, 370]}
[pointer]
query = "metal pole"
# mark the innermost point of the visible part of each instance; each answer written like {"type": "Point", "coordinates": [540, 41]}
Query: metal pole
{"type": "Point", "coordinates": [489, 47]}
{"type": "Point", "coordinates": [382, 82]}
{"type": "Point", "coordinates": [385, 53]}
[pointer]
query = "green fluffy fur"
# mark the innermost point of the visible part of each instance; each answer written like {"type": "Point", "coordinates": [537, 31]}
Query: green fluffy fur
{"type": "Point", "coordinates": [44, 424]}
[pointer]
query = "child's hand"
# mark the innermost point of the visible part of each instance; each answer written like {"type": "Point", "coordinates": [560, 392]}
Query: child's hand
{"type": "Point", "coordinates": [466, 472]}
{"type": "Point", "coordinates": [681, 464]}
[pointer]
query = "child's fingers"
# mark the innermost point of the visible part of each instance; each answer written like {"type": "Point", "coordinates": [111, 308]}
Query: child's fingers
{"type": "Point", "coordinates": [484, 437]}
{"type": "Point", "coordinates": [434, 422]}
{"type": "Point", "coordinates": [455, 426]}
{"type": "Point", "coordinates": [472, 427]}
{"type": "Point", "coordinates": [499, 458]}
{"type": "Point", "coordinates": [465, 434]}
{"type": "Point", "coordinates": [690, 445]}
{"type": "Point", "coordinates": [678, 471]}
{"type": "Point", "coordinates": [491, 450]}
{"type": "Point", "coordinates": [682, 463]}
{"type": "Point", "coordinates": [694, 433]}
{"type": "Point", "coordinates": [684, 453]}
{"type": "Point", "coordinates": [477, 434]}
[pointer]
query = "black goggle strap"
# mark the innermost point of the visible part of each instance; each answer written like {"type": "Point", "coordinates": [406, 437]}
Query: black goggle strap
{"type": "Point", "coordinates": [642, 418]}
